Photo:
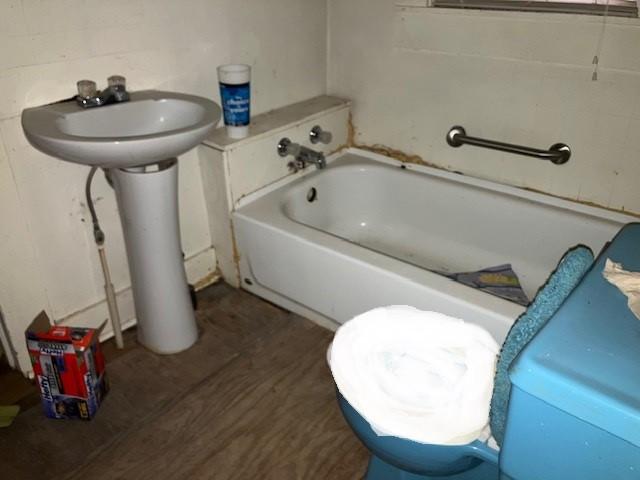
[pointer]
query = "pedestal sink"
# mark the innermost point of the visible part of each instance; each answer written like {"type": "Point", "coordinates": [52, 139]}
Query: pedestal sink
{"type": "Point", "coordinates": [138, 142]}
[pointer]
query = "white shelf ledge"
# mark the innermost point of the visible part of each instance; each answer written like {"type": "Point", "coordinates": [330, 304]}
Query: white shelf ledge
{"type": "Point", "coordinates": [279, 119]}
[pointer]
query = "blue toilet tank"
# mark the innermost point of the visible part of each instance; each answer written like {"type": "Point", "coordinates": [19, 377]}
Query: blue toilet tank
{"type": "Point", "coordinates": [574, 410]}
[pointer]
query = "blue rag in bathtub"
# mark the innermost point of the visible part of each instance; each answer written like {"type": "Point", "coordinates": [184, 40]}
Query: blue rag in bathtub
{"type": "Point", "coordinates": [500, 281]}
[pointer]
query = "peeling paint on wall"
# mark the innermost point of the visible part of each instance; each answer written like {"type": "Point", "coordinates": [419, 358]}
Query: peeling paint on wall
{"type": "Point", "coordinates": [236, 252]}
{"type": "Point", "coordinates": [351, 130]}
{"type": "Point", "coordinates": [385, 150]}
{"type": "Point", "coordinates": [210, 279]}
{"type": "Point", "coordinates": [399, 155]}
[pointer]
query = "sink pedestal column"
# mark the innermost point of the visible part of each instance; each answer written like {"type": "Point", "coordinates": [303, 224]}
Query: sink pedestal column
{"type": "Point", "coordinates": [148, 204]}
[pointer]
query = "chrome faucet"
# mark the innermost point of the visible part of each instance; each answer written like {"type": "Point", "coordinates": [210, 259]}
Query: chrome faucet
{"type": "Point", "coordinates": [89, 97]}
{"type": "Point", "coordinates": [302, 155]}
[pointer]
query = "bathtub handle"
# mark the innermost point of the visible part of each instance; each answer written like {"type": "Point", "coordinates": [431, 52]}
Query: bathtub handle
{"type": "Point", "coordinates": [318, 135]}
{"type": "Point", "coordinates": [286, 147]}
{"type": "Point", "coordinates": [558, 153]}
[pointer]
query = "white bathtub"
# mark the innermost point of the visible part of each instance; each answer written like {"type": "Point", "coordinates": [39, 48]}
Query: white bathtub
{"type": "Point", "coordinates": [376, 230]}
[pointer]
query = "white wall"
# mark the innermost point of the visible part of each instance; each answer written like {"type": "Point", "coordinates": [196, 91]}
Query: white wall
{"type": "Point", "coordinates": [518, 77]}
{"type": "Point", "coordinates": [47, 256]}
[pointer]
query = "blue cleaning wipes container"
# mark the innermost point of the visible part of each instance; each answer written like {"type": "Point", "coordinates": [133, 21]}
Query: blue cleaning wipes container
{"type": "Point", "coordinates": [235, 94]}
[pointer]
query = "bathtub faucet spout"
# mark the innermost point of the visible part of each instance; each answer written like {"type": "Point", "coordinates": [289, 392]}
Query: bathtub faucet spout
{"type": "Point", "coordinates": [302, 155]}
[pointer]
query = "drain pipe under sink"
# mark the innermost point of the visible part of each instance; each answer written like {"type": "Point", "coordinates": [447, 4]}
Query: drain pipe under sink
{"type": "Point", "coordinates": [99, 237]}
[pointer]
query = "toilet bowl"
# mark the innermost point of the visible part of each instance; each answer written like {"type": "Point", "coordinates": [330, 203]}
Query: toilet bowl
{"type": "Point", "coordinates": [394, 458]}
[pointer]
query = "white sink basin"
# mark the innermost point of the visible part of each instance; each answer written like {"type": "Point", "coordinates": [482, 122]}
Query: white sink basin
{"type": "Point", "coordinates": [151, 127]}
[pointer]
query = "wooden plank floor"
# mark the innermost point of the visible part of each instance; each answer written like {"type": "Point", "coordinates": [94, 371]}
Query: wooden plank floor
{"type": "Point", "coordinates": [253, 399]}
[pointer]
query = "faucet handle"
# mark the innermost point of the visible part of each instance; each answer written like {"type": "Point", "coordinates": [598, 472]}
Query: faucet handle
{"type": "Point", "coordinates": [117, 81]}
{"type": "Point", "coordinates": [286, 147]}
{"type": "Point", "coordinates": [87, 88]}
{"type": "Point", "coordinates": [318, 135]}
{"type": "Point", "coordinates": [283, 147]}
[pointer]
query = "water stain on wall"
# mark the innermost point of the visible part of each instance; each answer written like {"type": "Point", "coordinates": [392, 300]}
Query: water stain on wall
{"type": "Point", "coordinates": [385, 150]}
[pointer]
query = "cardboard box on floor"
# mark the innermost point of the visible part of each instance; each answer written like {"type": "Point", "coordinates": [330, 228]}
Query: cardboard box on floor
{"type": "Point", "coordinates": [69, 368]}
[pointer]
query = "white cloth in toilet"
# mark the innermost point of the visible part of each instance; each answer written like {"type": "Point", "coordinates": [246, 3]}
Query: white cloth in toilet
{"type": "Point", "coordinates": [417, 375]}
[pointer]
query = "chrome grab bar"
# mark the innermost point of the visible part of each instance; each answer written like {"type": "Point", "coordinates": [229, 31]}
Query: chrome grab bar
{"type": "Point", "coordinates": [558, 153]}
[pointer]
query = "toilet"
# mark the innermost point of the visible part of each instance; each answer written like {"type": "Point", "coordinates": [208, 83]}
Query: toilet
{"type": "Point", "coordinates": [566, 398]}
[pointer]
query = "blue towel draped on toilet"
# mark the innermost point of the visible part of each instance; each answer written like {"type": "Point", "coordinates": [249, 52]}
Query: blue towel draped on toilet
{"type": "Point", "coordinates": [550, 297]}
